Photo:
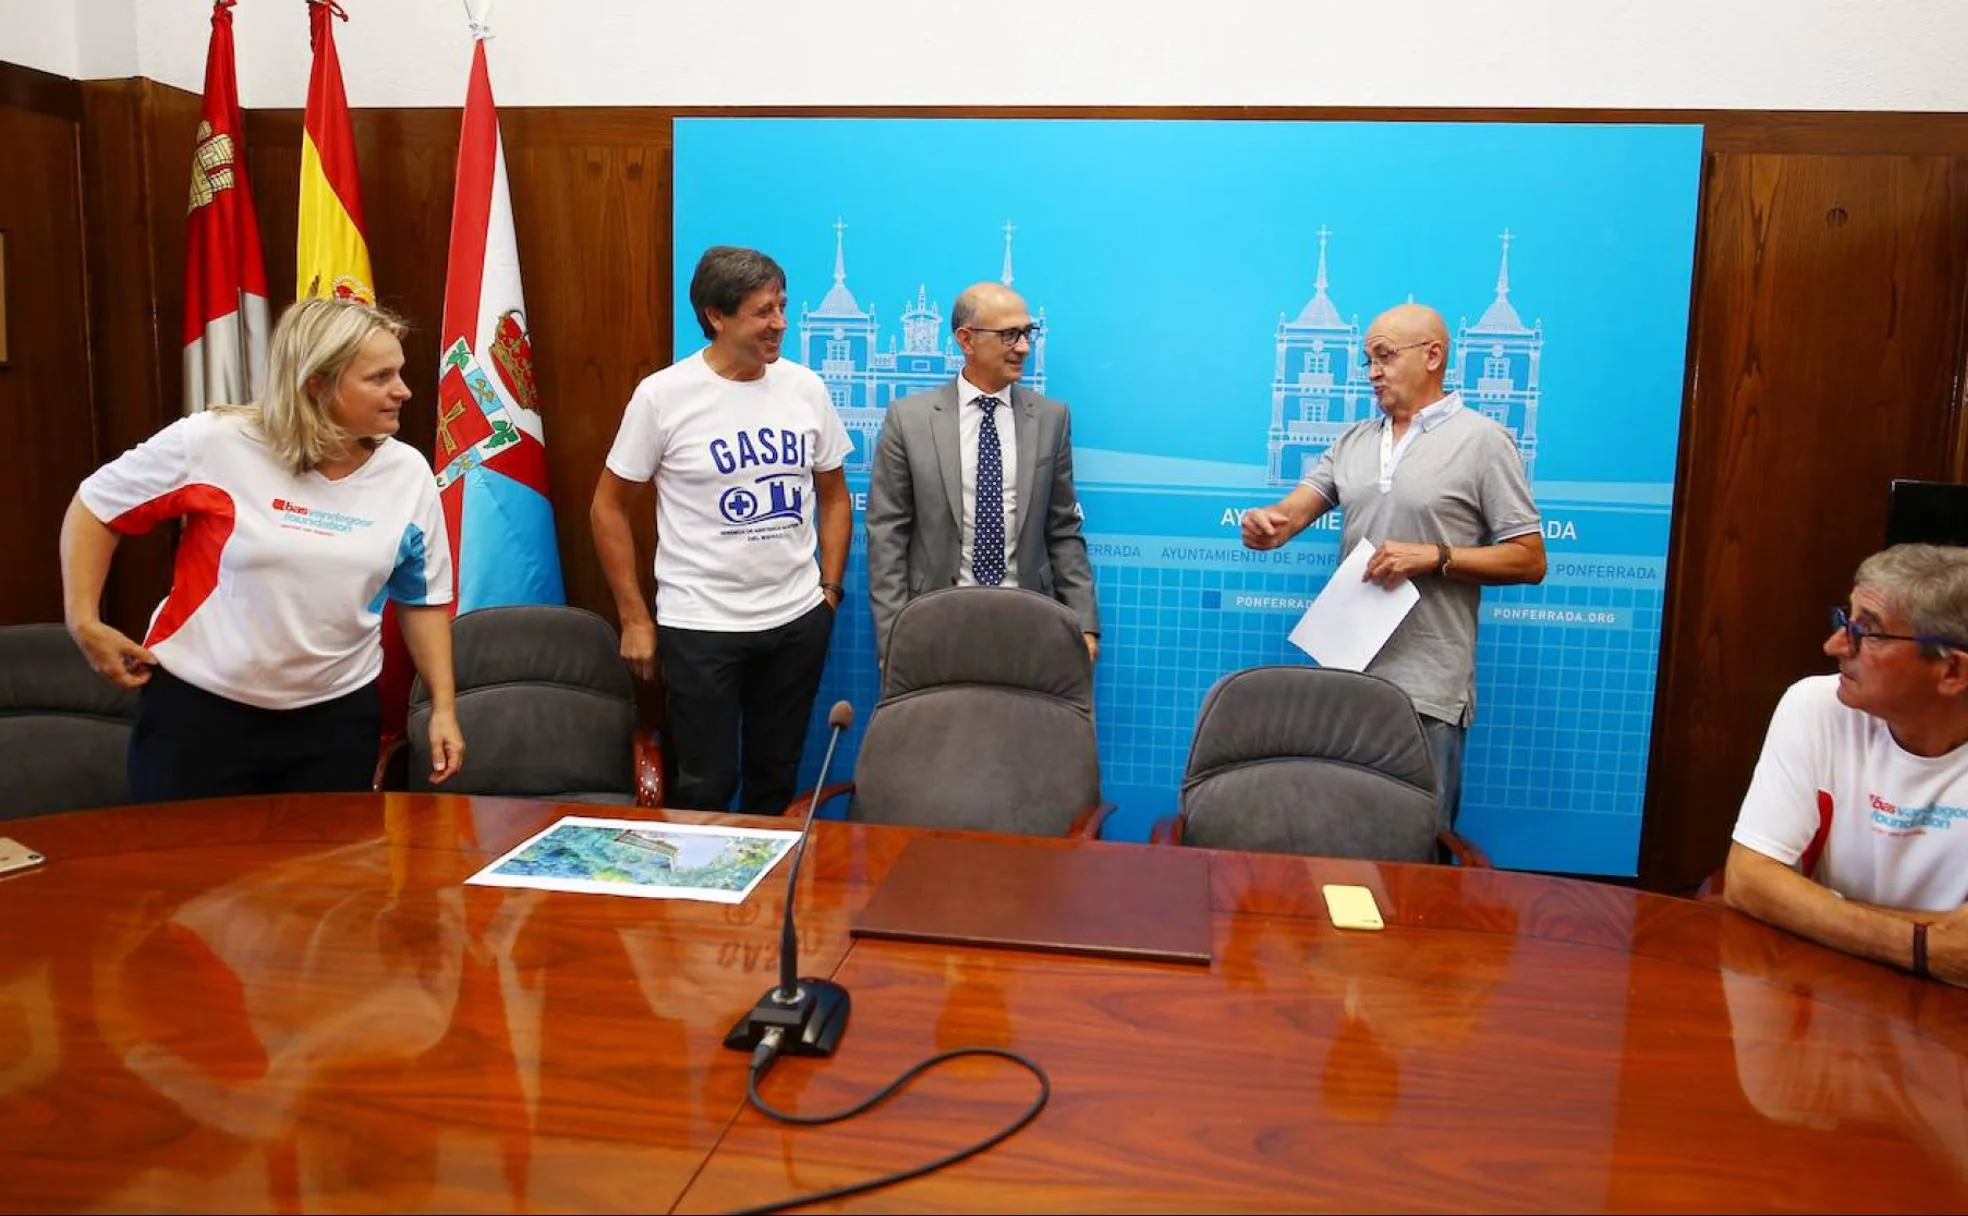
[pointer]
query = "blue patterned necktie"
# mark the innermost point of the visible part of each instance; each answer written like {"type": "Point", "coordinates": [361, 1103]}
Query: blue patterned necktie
{"type": "Point", "coordinates": [987, 536]}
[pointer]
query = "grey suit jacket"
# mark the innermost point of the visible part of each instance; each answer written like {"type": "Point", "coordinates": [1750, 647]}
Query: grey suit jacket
{"type": "Point", "coordinates": [915, 506]}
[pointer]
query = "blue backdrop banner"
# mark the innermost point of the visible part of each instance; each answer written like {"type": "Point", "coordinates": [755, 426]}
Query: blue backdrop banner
{"type": "Point", "coordinates": [1205, 287]}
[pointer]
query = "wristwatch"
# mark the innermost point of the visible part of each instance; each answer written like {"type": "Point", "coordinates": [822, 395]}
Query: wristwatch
{"type": "Point", "coordinates": [1442, 560]}
{"type": "Point", "coordinates": [840, 593]}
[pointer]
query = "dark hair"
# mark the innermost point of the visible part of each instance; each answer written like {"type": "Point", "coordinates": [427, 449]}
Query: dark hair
{"type": "Point", "coordinates": [725, 275]}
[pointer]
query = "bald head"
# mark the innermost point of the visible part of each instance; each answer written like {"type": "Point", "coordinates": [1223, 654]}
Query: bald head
{"type": "Point", "coordinates": [983, 299]}
{"type": "Point", "coordinates": [1406, 323]}
{"type": "Point", "coordinates": [995, 331]}
{"type": "Point", "coordinates": [1407, 350]}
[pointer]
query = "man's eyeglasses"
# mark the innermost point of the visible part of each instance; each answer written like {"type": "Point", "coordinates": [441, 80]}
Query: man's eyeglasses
{"type": "Point", "coordinates": [1012, 336]}
{"type": "Point", "coordinates": [1856, 633]}
{"type": "Point", "coordinates": [1385, 355]}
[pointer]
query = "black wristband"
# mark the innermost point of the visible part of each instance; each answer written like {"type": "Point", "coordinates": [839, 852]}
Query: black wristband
{"type": "Point", "coordinates": [1920, 950]}
{"type": "Point", "coordinates": [840, 592]}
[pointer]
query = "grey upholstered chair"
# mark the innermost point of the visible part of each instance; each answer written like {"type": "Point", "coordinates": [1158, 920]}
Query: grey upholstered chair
{"type": "Point", "coordinates": [64, 730]}
{"type": "Point", "coordinates": [547, 708]}
{"type": "Point", "coordinates": [1312, 760]}
{"type": "Point", "coordinates": [985, 721]}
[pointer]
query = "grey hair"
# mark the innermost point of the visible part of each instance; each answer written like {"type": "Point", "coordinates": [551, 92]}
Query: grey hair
{"type": "Point", "coordinates": [1927, 585]}
{"type": "Point", "coordinates": [964, 311]}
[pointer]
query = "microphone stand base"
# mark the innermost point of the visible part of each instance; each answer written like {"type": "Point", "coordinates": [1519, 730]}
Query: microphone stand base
{"type": "Point", "coordinates": [811, 1024]}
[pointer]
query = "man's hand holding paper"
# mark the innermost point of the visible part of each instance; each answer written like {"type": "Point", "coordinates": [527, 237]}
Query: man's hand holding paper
{"type": "Point", "coordinates": [1352, 617]}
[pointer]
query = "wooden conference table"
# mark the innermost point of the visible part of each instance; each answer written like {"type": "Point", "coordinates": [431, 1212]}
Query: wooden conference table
{"type": "Point", "coordinates": [292, 1005]}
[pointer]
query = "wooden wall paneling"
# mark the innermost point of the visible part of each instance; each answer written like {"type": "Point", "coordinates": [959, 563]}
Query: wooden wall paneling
{"type": "Point", "coordinates": [39, 92]}
{"type": "Point", "coordinates": [273, 158]}
{"type": "Point", "coordinates": [591, 203]}
{"type": "Point", "coordinates": [137, 148]}
{"type": "Point", "coordinates": [45, 407]}
{"type": "Point", "coordinates": [170, 131]}
{"type": "Point", "coordinates": [409, 162]}
{"type": "Point", "coordinates": [1825, 365]}
{"type": "Point", "coordinates": [1957, 448]}
{"type": "Point", "coordinates": [591, 207]}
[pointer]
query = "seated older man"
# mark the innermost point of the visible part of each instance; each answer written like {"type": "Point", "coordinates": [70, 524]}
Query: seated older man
{"type": "Point", "coordinates": [1848, 834]}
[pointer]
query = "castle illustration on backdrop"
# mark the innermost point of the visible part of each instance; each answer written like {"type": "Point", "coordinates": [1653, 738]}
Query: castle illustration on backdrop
{"type": "Point", "coordinates": [841, 341]}
{"type": "Point", "coordinates": [1319, 384]}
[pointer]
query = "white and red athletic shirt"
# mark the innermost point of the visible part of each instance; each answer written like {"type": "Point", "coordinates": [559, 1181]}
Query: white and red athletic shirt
{"type": "Point", "coordinates": [1835, 796]}
{"type": "Point", "coordinates": [278, 588]}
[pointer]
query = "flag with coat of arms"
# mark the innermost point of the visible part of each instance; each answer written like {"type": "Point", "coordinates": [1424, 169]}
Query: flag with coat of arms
{"type": "Point", "coordinates": [225, 316]}
{"type": "Point", "coordinates": [490, 455]}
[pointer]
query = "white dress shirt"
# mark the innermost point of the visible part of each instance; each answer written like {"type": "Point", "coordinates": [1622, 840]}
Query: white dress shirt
{"type": "Point", "coordinates": [970, 420]}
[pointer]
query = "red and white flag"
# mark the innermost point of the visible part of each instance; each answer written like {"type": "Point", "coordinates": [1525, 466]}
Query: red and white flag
{"type": "Point", "coordinates": [225, 316]}
{"type": "Point", "coordinates": [491, 454]}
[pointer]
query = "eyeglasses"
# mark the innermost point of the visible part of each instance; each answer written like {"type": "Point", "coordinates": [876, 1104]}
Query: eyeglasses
{"type": "Point", "coordinates": [1856, 633]}
{"type": "Point", "coordinates": [1385, 355]}
{"type": "Point", "coordinates": [1012, 336]}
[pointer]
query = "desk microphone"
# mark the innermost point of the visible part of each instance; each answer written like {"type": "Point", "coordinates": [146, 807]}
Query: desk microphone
{"type": "Point", "coordinates": [801, 1017]}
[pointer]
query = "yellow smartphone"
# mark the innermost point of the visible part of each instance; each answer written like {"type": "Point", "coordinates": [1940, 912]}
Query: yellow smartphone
{"type": "Point", "coordinates": [1352, 907]}
{"type": "Point", "coordinates": [16, 856]}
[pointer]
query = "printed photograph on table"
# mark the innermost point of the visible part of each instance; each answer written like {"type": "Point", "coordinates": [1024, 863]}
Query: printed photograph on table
{"type": "Point", "coordinates": [1204, 290]}
{"type": "Point", "coordinates": [648, 860]}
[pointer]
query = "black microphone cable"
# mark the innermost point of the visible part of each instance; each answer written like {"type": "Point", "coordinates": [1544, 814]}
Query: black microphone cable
{"type": "Point", "coordinates": [768, 1051]}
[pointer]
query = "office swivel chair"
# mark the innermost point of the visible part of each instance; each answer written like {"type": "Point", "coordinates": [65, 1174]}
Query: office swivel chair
{"type": "Point", "coordinates": [1311, 760]}
{"type": "Point", "coordinates": [547, 708]}
{"type": "Point", "coordinates": [64, 730]}
{"type": "Point", "coordinates": [985, 721]}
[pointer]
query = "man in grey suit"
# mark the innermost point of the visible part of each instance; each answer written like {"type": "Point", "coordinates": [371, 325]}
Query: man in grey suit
{"type": "Point", "coordinates": [973, 482]}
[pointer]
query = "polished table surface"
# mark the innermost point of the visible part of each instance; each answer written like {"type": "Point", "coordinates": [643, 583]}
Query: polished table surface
{"type": "Point", "coordinates": [294, 1005]}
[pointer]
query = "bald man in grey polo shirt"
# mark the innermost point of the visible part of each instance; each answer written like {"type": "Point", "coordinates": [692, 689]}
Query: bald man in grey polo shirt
{"type": "Point", "coordinates": [1439, 489]}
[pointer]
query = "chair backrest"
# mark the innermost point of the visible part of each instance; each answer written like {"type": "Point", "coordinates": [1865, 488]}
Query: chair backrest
{"type": "Point", "coordinates": [1310, 760]}
{"type": "Point", "coordinates": [64, 730]}
{"type": "Point", "coordinates": [545, 702]}
{"type": "Point", "coordinates": [986, 717]}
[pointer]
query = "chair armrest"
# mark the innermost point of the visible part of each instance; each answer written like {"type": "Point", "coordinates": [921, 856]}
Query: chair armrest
{"type": "Point", "coordinates": [648, 769]}
{"type": "Point", "coordinates": [806, 804]}
{"type": "Point", "coordinates": [1086, 825]}
{"type": "Point", "coordinates": [392, 745]}
{"type": "Point", "coordinates": [1462, 850]}
{"type": "Point", "coordinates": [1167, 830]}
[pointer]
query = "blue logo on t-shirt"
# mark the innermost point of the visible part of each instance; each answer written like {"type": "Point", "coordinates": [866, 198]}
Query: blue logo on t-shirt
{"type": "Point", "coordinates": [773, 496]}
{"type": "Point", "coordinates": [780, 496]}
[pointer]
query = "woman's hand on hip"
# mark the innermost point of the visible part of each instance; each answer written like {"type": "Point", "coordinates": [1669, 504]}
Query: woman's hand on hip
{"type": "Point", "coordinates": [114, 656]}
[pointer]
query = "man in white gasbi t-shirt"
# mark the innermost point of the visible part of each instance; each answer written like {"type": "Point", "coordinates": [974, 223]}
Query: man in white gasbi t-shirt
{"type": "Point", "coordinates": [1854, 832]}
{"type": "Point", "coordinates": [746, 451]}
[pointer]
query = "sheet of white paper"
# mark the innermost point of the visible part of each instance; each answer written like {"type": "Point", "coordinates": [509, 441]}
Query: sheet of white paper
{"type": "Point", "coordinates": [1351, 619]}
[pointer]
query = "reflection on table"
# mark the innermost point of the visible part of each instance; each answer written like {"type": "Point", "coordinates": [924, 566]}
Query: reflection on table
{"type": "Point", "coordinates": [294, 1004]}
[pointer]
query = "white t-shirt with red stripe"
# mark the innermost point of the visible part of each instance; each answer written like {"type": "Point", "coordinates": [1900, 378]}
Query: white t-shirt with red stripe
{"type": "Point", "coordinates": [278, 588]}
{"type": "Point", "coordinates": [1837, 797]}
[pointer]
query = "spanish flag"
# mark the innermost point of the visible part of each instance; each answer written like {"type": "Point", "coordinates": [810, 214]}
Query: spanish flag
{"type": "Point", "coordinates": [333, 258]}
